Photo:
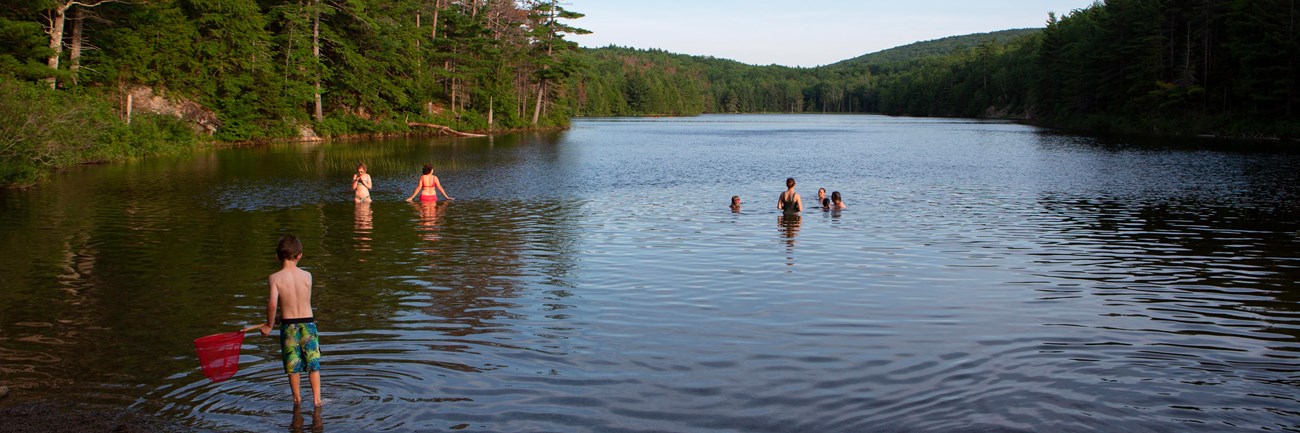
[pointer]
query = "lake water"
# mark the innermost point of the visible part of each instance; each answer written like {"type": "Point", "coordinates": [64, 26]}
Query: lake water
{"type": "Point", "coordinates": [985, 277]}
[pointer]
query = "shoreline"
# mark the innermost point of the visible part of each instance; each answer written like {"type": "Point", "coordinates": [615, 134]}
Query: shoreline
{"type": "Point", "coordinates": [269, 141]}
{"type": "Point", "coordinates": [1278, 140]}
{"type": "Point", "coordinates": [378, 136]}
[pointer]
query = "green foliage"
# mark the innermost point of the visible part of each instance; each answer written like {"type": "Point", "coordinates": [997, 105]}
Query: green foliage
{"type": "Point", "coordinates": [255, 62]}
{"type": "Point", "coordinates": [42, 130]}
{"type": "Point", "coordinates": [935, 48]}
{"type": "Point", "coordinates": [1173, 66]}
{"type": "Point", "coordinates": [22, 45]}
{"type": "Point", "coordinates": [345, 125]}
{"type": "Point", "coordinates": [1149, 66]}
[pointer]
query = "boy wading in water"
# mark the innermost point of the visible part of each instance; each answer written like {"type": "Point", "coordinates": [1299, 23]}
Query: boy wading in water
{"type": "Point", "coordinates": [291, 292]}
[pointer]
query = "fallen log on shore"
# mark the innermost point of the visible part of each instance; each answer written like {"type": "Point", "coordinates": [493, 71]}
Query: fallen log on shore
{"type": "Point", "coordinates": [444, 129]}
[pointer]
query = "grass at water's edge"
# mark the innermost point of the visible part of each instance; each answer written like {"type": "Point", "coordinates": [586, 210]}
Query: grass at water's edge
{"type": "Point", "coordinates": [43, 131]}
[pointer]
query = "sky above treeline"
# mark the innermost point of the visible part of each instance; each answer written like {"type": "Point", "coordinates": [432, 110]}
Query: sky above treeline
{"type": "Point", "coordinates": [798, 32]}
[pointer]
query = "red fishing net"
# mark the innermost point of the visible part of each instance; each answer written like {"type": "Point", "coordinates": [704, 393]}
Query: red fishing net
{"type": "Point", "coordinates": [219, 354]}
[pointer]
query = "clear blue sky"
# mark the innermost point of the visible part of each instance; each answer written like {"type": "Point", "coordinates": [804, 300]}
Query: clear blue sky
{"type": "Point", "coordinates": [798, 32]}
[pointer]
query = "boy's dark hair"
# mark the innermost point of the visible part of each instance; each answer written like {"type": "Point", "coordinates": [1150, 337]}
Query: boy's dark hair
{"type": "Point", "coordinates": [789, 182]}
{"type": "Point", "coordinates": [428, 169]}
{"type": "Point", "coordinates": [289, 248]}
{"type": "Point", "coordinates": [835, 196]}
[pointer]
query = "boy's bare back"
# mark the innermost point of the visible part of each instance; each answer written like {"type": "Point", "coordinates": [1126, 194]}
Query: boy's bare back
{"type": "Point", "coordinates": [291, 287]}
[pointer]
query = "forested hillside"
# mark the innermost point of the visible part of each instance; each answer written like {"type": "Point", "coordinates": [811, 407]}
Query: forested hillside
{"type": "Point", "coordinates": [623, 81]}
{"type": "Point", "coordinates": [934, 48]}
{"type": "Point", "coordinates": [1146, 66]}
{"type": "Point", "coordinates": [271, 69]}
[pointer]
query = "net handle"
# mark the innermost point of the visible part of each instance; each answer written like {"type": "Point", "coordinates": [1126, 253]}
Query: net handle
{"type": "Point", "coordinates": [251, 328]}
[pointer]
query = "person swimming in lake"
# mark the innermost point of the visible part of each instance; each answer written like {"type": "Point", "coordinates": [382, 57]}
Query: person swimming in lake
{"type": "Point", "coordinates": [822, 201]}
{"type": "Point", "coordinates": [836, 202]}
{"type": "Point", "coordinates": [429, 187]}
{"type": "Point", "coordinates": [789, 202]}
{"type": "Point", "coordinates": [361, 184]}
{"type": "Point", "coordinates": [735, 203]}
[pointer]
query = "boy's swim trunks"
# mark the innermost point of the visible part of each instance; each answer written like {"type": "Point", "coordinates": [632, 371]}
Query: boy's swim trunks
{"type": "Point", "coordinates": [299, 347]}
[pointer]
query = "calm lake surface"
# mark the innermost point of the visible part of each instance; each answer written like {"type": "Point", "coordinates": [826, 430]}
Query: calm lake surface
{"type": "Point", "coordinates": [984, 277]}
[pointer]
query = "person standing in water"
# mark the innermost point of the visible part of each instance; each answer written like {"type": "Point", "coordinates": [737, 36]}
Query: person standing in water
{"type": "Point", "coordinates": [789, 202]}
{"type": "Point", "coordinates": [290, 294]}
{"type": "Point", "coordinates": [361, 185]}
{"type": "Point", "coordinates": [735, 203]}
{"type": "Point", "coordinates": [822, 201]}
{"type": "Point", "coordinates": [429, 187]}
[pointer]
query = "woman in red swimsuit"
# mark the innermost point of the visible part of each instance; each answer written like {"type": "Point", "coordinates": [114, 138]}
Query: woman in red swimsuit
{"type": "Point", "coordinates": [426, 189]}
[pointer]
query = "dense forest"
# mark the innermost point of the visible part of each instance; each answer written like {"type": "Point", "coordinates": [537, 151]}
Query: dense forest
{"type": "Point", "coordinates": [624, 81]}
{"type": "Point", "coordinates": [101, 80]}
{"type": "Point", "coordinates": [71, 71]}
{"type": "Point", "coordinates": [1140, 66]}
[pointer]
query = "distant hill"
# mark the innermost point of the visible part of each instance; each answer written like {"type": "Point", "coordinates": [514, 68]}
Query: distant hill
{"type": "Point", "coordinates": [932, 48]}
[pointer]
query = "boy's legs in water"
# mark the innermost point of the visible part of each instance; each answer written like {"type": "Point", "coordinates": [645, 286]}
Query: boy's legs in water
{"type": "Point", "coordinates": [294, 381]}
{"type": "Point", "coordinates": [314, 378]}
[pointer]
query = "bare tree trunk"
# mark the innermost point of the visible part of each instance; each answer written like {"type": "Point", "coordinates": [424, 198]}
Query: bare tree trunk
{"type": "Point", "coordinates": [447, 84]}
{"type": "Point", "coordinates": [419, 59]}
{"type": "Point", "coordinates": [129, 104]}
{"type": "Point", "coordinates": [433, 27]}
{"type": "Point", "coordinates": [57, 17]}
{"type": "Point", "coordinates": [537, 109]}
{"type": "Point", "coordinates": [74, 52]}
{"type": "Point", "coordinates": [541, 83]}
{"type": "Point", "coordinates": [491, 107]}
{"type": "Point", "coordinates": [315, 51]}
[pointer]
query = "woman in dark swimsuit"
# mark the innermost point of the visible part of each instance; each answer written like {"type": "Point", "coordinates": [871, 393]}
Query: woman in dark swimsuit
{"type": "Point", "coordinates": [790, 203]}
{"type": "Point", "coordinates": [429, 187]}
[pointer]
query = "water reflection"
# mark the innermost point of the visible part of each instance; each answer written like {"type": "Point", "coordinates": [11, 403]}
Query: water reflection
{"type": "Point", "coordinates": [428, 226]}
{"type": "Point", "coordinates": [788, 226]}
{"type": "Point", "coordinates": [1135, 304]}
{"type": "Point", "coordinates": [363, 226]}
{"type": "Point", "coordinates": [317, 424]}
{"type": "Point", "coordinates": [1189, 260]}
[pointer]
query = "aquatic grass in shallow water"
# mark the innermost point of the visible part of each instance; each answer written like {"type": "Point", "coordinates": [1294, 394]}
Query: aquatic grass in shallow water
{"type": "Point", "coordinates": [343, 157]}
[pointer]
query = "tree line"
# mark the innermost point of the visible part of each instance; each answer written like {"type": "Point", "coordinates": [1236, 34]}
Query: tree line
{"type": "Point", "coordinates": [265, 69]}
{"type": "Point", "coordinates": [1144, 66]}
{"type": "Point", "coordinates": [270, 68]}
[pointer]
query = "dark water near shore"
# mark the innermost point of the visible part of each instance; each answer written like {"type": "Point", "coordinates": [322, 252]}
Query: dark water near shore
{"type": "Point", "coordinates": [985, 277]}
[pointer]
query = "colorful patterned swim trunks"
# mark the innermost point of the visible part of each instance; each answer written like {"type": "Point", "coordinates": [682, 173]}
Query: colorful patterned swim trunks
{"type": "Point", "coordinates": [299, 347]}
